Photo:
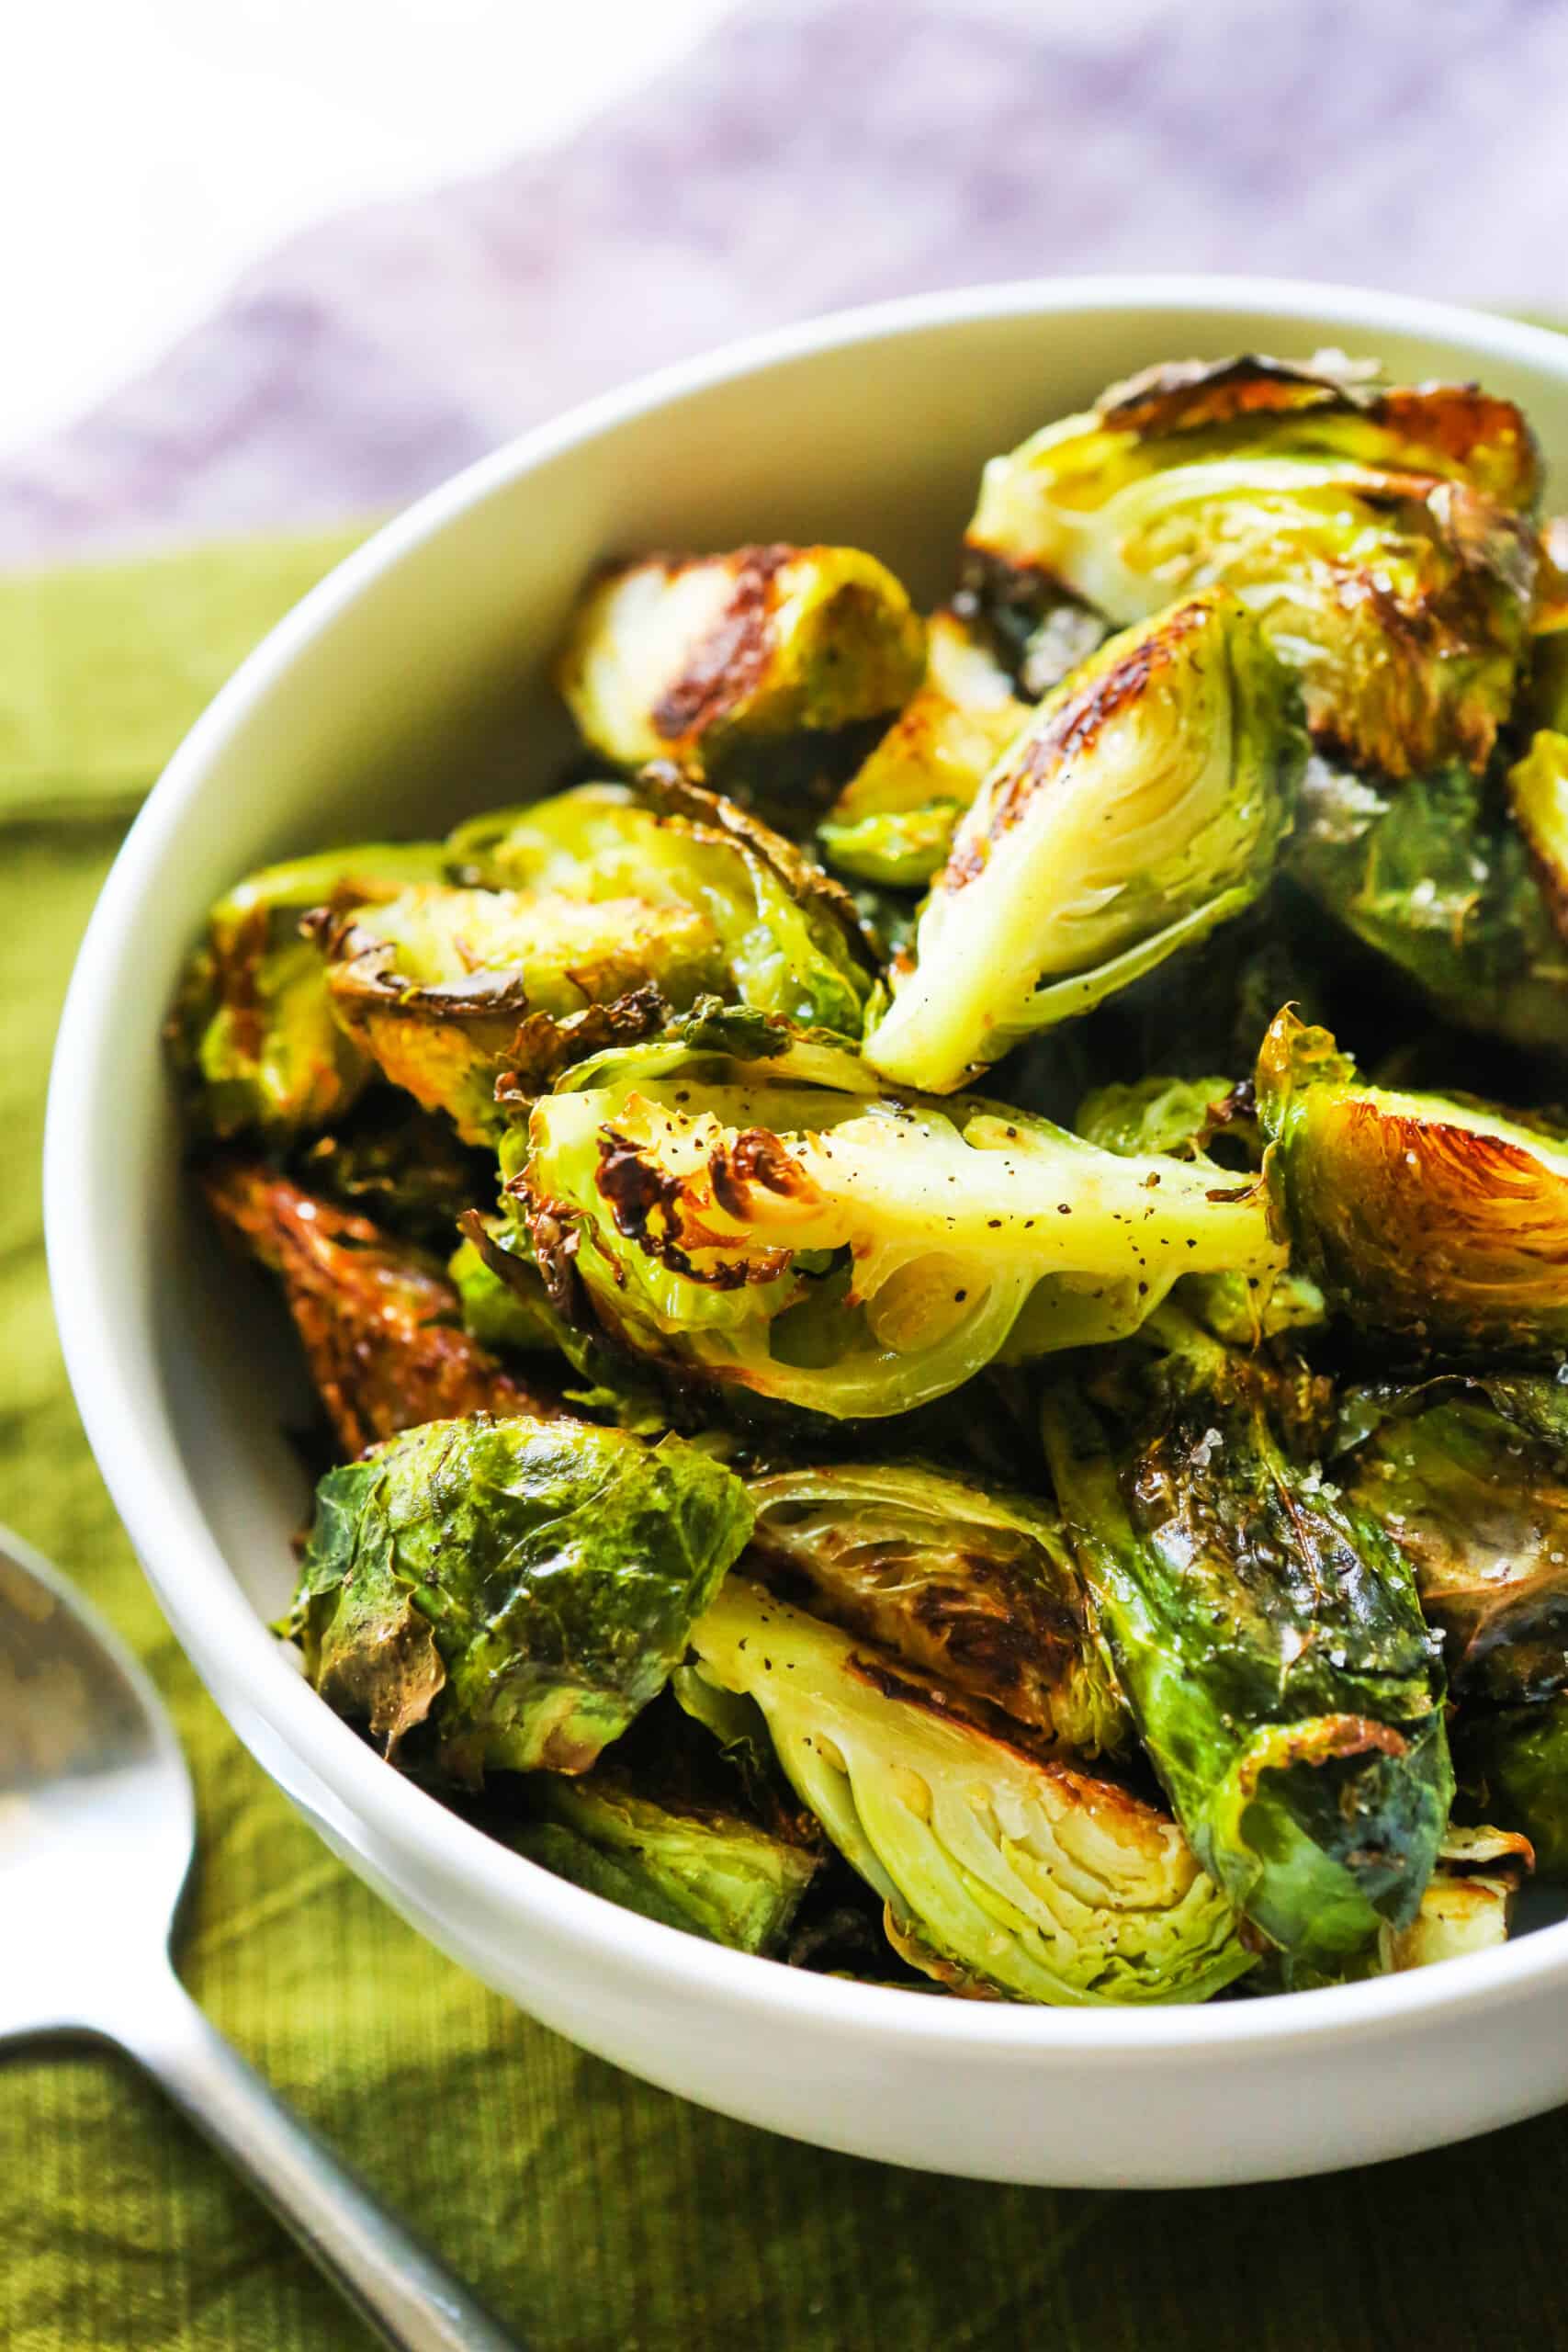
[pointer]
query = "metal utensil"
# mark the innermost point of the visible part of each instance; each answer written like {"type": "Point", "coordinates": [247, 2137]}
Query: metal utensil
{"type": "Point", "coordinates": [97, 1828]}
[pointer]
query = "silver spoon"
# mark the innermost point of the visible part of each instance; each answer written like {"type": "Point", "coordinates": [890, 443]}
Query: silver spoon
{"type": "Point", "coordinates": [97, 1828]}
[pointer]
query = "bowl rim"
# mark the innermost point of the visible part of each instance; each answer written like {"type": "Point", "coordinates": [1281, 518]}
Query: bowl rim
{"type": "Point", "coordinates": [232, 1648]}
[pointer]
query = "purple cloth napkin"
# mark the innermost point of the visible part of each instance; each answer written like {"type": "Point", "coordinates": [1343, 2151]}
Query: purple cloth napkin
{"type": "Point", "coordinates": [827, 152]}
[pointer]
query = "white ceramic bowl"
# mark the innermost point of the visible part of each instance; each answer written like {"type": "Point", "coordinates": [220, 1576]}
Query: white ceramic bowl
{"type": "Point", "coordinates": [406, 691]}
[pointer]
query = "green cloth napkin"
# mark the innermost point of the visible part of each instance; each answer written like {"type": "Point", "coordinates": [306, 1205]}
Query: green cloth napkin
{"type": "Point", "coordinates": [592, 2211]}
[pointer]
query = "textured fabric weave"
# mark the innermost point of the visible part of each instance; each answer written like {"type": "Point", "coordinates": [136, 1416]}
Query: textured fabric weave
{"type": "Point", "coordinates": [592, 2211]}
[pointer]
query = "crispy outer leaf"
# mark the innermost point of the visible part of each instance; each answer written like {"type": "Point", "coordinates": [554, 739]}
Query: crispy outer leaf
{"type": "Point", "coordinates": [559, 1568]}
{"type": "Point", "coordinates": [380, 1322]}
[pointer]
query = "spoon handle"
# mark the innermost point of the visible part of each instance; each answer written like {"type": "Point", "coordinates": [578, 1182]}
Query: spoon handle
{"type": "Point", "coordinates": [398, 2288]}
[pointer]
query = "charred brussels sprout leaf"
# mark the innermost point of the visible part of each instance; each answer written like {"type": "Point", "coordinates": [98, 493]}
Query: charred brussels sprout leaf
{"type": "Point", "coordinates": [1513, 1766]}
{"type": "Point", "coordinates": [1432, 875]}
{"type": "Point", "coordinates": [895, 820]}
{"type": "Point", "coordinates": [997, 1870]}
{"type": "Point", "coordinates": [251, 1032]}
{"type": "Point", "coordinates": [512, 1590]}
{"type": "Point", "coordinates": [854, 1254]}
{"type": "Point", "coordinates": [1470, 1478]}
{"type": "Point", "coordinates": [1376, 534]}
{"type": "Point", "coordinates": [713, 1873]}
{"type": "Point", "coordinates": [446, 988]}
{"type": "Point", "coordinates": [1440, 1224]}
{"type": "Point", "coordinates": [975, 1587]}
{"type": "Point", "coordinates": [698, 658]}
{"type": "Point", "coordinates": [1270, 1641]}
{"type": "Point", "coordinates": [787, 939]}
{"type": "Point", "coordinates": [1143, 806]}
{"type": "Point", "coordinates": [380, 1323]}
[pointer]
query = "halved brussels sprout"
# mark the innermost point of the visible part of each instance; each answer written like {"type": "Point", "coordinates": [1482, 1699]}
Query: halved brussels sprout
{"type": "Point", "coordinates": [1469, 1901]}
{"type": "Point", "coordinates": [791, 940]}
{"type": "Point", "coordinates": [1143, 806]}
{"type": "Point", "coordinates": [1440, 1224]}
{"type": "Point", "coordinates": [512, 1590]}
{"type": "Point", "coordinates": [1513, 1768]}
{"type": "Point", "coordinates": [997, 1870]}
{"type": "Point", "coordinates": [1270, 1641]}
{"type": "Point", "coordinates": [695, 658]}
{"type": "Point", "coordinates": [1469, 1476]}
{"type": "Point", "coordinates": [895, 820]}
{"type": "Point", "coordinates": [975, 1587]}
{"type": "Point", "coordinates": [380, 1322]}
{"type": "Point", "coordinates": [1376, 534]}
{"type": "Point", "coordinates": [447, 990]}
{"type": "Point", "coordinates": [252, 1030]}
{"type": "Point", "coordinates": [1432, 874]}
{"type": "Point", "coordinates": [852, 1253]}
{"type": "Point", "coordinates": [711, 1873]}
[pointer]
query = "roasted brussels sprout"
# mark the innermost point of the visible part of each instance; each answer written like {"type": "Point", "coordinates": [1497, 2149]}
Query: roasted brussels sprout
{"type": "Point", "coordinates": [854, 1254]}
{"type": "Point", "coordinates": [252, 1030]}
{"type": "Point", "coordinates": [997, 1870]}
{"type": "Point", "coordinates": [1467, 1903]}
{"type": "Point", "coordinates": [895, 820]}
{"type": "Point", "coordinates": [1377, 534]}
{"type": "Point", "coordinates": [972, 1586]}
{"type": "Point", "coordinates": [448, 988]}
{"type": "Point", "coordinates": [380, 1322]}
{"type": "Point", "coordinates": [514, 1591]}
{"type": "Point", "coordinates": [789, 939]}
{"type": "Point", "coordinates": [712, 1872]}
{"type": "Point", "coordinates": [1440, 1224]}
{"type": "Point", "coordinates": [1433, 877]}
{"type": "Point", "coordinates": [698, 658]}
{"type": "Point", "coordinates": [1270, 1641]}
{"type": "Point", "coordinates": [1513, 1766]}
{"type": "Point", "coordinates": [1143, 806]}
{"type": "Point", "coordinates": [1469, 1475]}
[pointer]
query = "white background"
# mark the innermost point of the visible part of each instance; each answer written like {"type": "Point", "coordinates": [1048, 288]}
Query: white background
{"type": "Point", "coordinates": [150, 149]}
